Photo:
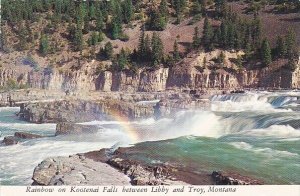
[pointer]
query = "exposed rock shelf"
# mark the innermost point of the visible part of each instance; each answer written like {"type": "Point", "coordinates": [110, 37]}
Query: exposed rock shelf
{"type": "Point", "coordinates": [81, 111]}
{"type": "Point", "coordinates": [76, 170]}
{"type": "Point", "coordinates": [95, 168]}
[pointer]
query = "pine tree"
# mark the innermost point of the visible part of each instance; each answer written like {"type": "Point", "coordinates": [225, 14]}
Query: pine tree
{"type": "Point", "coordinates": [203, 7]}
{"type": "Point", "coordinates": [71, 8]}
{"type": "Point", "coordinates": [256, 32]}
{"type": "Point", "coordinates": [44, 45]}
{"type": "Point", "coordinates": [141, 45]}
{"type": "Point", "coordinates": [46, 5]}
{"type": "Point", "coordinates": [108, 51]}
{"type": "Point", "coordinates": [196, 38]}
{"type": "Point", "coordinates": [116, 23]}
{"type": "Point", "coordinates": [207, 35]}
{"type": "Point", "coordinates": [78, 38]}
{"type": "Point", "coordinates": [86, 28]}
{"type": "Point", "coordinates": [122, 59]}
{"type": "Point", "coordinates": [224, 34]}
{"type": "Point", "coordinates": [22, 38]}
{"type": "Point", "coordinates": [99, 21]}
{"type": "Point", "coordinates": [266, 56]}
{"type": "Point", "coordinates": [238, 40]}
{"type": "Point", "coordinates": [3, 40]}
{"type": "Point", "coordinates": [176, 55]}
{"type": "Point", "coordinates": [163, 8]}
{"type": "Point", "coordinates": [100, 36]}
{"type": "Point", "coordinates": [196, 8]}
{"type": "Point", "coordinates": [248, 51]}
{"type": "Point", "coordinates": [127, 10]}
{"type": "Point", "coordinates": [220, 7]}
{"type": "Point", "coordinates": [157, 21]}
{"type": "Point", "coordinates": [179, 6]}
{"type": "Point", "coordinates": [92, 11]}
{"type": "Point", "coordinates": [281, 47]}
{"type": "Point", "coordinates": [290, 43]}
{"type": "Point", "coordinates": [29, 32]}
{"type": "Point", "coordinates": [230, 36]}
{"type": "Point", "coordinates": [58, 7]}
{"type": "Point", "coordinates": [80, 15]}
{"type": "Point", "coordinates": [204, 62]}
{"type": "Point", "coordinates": [116, 28]}
{"type": "Point", "coordinates": [94, 39]}
{"type": "Point", "coordinates": [157, 49]}
{"type": "Point", "coordinates": [217, 37]}
{"type": "Point", "coordinates": [147, 48]}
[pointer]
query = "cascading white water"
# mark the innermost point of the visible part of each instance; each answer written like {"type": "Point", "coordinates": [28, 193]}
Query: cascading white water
{"type": "Point", "coordinates": [265, 101]}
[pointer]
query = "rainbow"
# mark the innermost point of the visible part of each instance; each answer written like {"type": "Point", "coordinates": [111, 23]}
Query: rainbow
{"type": "Point", "coordinates": [125, 124]}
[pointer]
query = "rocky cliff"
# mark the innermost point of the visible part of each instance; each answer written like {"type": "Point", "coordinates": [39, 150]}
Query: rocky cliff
{"type": "Point", "coordinates": [202, 72]}
{"type": "Point", "coordinates": [199, 71]}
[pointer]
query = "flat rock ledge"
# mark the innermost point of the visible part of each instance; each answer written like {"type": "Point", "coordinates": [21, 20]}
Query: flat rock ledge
{"type": "Point", "coordinates": [76, 170]}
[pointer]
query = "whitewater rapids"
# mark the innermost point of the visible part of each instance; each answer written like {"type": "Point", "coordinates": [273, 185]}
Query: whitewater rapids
{"type": "Point", "coordinates": [255, 133]}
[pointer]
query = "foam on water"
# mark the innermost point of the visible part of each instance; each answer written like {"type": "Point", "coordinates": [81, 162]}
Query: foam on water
{"type": "Point", "coordinates": [265, 151]}
{"type": "Point", "coordinates": [274, 131]}
{"type": "Point", "coordinates": [254, 101]}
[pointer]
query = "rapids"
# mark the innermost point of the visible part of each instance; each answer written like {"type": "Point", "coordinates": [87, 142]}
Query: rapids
{"type": "Point", "coordinates": [255, 134]}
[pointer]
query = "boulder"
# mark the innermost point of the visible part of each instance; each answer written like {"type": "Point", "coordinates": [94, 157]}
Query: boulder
{"type": "Point", "coordinates": [44, 172]}
{"type": "Point", "coordinates": [10, 140]}
{"type": "Point", "coordinates": [76, 170]}
{"type": "Point", "coordinates": [65, 128]}
{"type": "Point", "coordinates": [23, 135]}
{"type": "Point", "coordinates": [19, 136]}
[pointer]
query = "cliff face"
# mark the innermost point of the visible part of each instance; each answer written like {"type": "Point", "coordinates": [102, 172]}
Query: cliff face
{"type": "Point", "coordinates": [219, 79]}
{"type": "Point", "coordinates": [194, 74]}
{"type": "Point", "coordinates": [129, 81]}
{"type": "Point", "coordinates": [8, 74]}
{"type": "Point", "coordinates": [191, 74]}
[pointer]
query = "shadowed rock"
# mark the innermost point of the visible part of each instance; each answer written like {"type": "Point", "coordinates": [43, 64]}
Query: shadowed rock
{"type": "Point", "coordinates": [23, 135]}
{"type": "Point", "coordinates": [19, 136]}
{"type": "Point", "coordinates": [66, 128]}
{"type": "Point", "coordinates": [10, 140]}
{"type": "Point", "coordinates": [232, 179]}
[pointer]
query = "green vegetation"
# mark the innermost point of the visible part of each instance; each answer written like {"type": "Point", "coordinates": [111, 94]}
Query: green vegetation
{"type": "Point", "coordinates": [44, 45]}
{"type": "Point", "coordinates": [85, 24]}
{"type": "Point", "coordinates": [266, 53]}
{"type": "Point", "coordinates": [207, 35]}
{"type": "Point", "coordinates": [107, 51]}
{"type": "Point", "coordinates": [150, 51]}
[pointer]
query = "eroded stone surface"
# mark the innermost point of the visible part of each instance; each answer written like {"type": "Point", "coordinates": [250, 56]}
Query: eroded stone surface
{"type": "Point", "coordinates": [76, 170]}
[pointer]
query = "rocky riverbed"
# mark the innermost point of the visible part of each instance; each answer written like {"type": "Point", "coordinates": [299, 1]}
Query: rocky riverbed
{"type": "Point", "coordinates": [104, 166]}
